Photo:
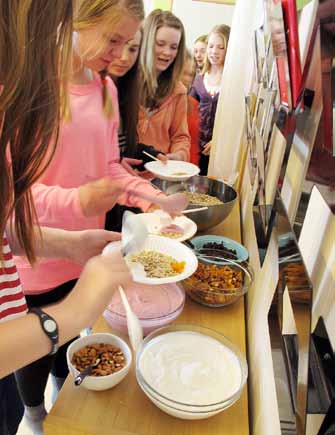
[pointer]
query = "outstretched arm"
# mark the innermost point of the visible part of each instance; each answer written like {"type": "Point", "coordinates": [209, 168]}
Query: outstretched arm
{"type": "Point", "coordinates": [23, 341]}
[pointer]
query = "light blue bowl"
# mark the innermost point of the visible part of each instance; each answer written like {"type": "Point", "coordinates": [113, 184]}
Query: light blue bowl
{"type": "Point", "coordinates": [241, 252]}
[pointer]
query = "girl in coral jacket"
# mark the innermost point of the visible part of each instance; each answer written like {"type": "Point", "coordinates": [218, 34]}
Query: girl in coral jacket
{"type": "Point", "coordinates": [84, 178]}
{"type": "Point", "coordinates": [163, 110]}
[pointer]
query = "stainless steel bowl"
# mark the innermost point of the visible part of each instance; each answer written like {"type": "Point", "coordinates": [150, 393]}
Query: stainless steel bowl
{"type": "Point", "coordinates": [214, 214]}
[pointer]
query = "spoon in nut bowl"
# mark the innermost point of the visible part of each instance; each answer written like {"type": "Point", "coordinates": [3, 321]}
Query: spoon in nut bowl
{"type": "Point", "coordinates": [135, 330]}
{"type": "Point", "coordinates": [82, 375]}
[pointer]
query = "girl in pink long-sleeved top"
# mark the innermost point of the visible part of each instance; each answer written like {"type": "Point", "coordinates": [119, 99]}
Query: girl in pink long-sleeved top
{"type": "Point", "coordinates": [84, 178]}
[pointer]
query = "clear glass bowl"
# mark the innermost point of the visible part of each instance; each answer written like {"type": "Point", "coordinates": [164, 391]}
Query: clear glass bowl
{"type": "Point", "coordinates": [218, 282]}
{"type": "Point", "coordinates": [180, 409]}
{"type": "Point", "coordinates": [155, 306]}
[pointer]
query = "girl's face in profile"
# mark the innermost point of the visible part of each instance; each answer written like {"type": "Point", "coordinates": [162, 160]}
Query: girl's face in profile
{"type": "Point", "coordinates": [98, 46]}
{"type": "Point", "coordinates": [216, 49]}
{"type": "Point", "coordinates": [200, 53]}
{"type": "Point", "coordinates": [119, 67]}
{"type": "Point", "coordinates": [166, 47]}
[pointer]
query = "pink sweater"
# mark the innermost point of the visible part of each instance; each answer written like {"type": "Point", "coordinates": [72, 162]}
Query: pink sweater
{"type": "Point", "coordinates": [165, 128]}
{"type": "Point", "coordinates": [87, 150]}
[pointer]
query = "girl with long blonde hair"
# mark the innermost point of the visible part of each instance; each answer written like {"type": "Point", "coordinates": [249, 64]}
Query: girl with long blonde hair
{"type": "Point", "coordinates": [37, 35]}
{"type": "Point", "coordinates": [206, 89]}
{"type": "Point", "coordinates": [163, 110]}
{"type": "Point", "coordinates": [85, 177]}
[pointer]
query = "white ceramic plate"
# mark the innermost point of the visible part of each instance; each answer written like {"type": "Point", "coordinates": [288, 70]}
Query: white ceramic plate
{"type": "Point", "coordinates": [174, 170]}
{"type": "Point", "coordinates": [156, 221]}
{"type": "Point", "coordinates": [163, 245]}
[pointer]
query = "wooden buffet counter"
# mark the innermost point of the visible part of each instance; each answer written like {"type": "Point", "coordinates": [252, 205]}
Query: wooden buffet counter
{"type": "Point", "coordinates": [125, 410]}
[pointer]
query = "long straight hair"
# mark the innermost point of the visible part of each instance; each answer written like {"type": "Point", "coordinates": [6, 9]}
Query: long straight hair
{"type": "Point", "coordinates": [91, 13]}
{"type": "Point", "coordinates": [35, 48]}
{"type": "Point", "coordinates": [154, 88]}
{"type": "Point", "coordinates": [223, 31]}
{"type": "Point", "coordinates": [128, 97]}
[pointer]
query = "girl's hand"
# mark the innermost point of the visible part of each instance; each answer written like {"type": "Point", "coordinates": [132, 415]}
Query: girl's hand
{"type": "Point", "coordinates": [101, 276]}
{"type": "Point", "coordinates": [99, 196]}
{"type": "Point", "coordinates": [174, 204]}
{"type": "Point", "coordinates": [174, 156]}
{"type": "Point", "coordinates": [162, 157]}
{"type": "Point", "coordinates": [127, 163]}
{"type": "Point", "coordinates": [207, 149]}
{"type": "Point", "coordinates": [82, 245]}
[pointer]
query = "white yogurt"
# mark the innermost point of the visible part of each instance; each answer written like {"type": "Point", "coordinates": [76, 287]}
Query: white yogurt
{"type": "Point", "coordinates": [191, 368]}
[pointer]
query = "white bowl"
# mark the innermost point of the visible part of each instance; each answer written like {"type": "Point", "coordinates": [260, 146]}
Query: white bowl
{"type": "Point", "coordinates": [100, 382]}
{"type": "Point", "coordinates": [166, 246]}
{"type": "Point", "coordinates": [171, 169]}
{"type": "Point", "coordinates": [158, 220]}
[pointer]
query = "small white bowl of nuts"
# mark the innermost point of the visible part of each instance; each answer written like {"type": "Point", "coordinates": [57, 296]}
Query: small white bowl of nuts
{"type": "Point", "coordinates": [109, 355]}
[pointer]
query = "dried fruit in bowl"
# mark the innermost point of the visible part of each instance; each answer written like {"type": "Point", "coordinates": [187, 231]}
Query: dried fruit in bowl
{"type": "Point", "coordinates": [214, 285]}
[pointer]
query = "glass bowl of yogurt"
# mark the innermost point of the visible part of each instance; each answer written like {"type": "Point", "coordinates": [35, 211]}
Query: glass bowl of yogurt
{"type": "Point", "coordinates": [155, 306]}
{"type": "Point", "coordinates": [189, 371]}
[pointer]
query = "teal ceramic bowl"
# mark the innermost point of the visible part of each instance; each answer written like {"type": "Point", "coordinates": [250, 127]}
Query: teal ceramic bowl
{"type": "Point", "coordinates": [210, 255]}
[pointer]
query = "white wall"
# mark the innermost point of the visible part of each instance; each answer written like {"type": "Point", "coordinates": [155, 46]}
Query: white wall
{"type": "Point", "coordinates": [200, 17]}
{"type": "Point", "coordinates": [148, 6]}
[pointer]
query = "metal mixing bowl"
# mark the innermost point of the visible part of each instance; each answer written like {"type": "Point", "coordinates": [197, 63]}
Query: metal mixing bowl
{"type": "Point", "coordinates": [214, 214]}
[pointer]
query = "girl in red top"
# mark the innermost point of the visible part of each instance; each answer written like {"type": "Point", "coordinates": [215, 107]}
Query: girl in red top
{"type": "Point", "coordinates": [193, 115]}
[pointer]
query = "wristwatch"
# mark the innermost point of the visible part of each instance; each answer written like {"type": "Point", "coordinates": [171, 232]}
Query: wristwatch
{"type": "Point", "coordinates": [49, 326]}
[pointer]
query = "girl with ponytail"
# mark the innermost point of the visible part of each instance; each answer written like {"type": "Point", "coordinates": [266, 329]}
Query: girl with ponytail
{"type": "Point", "coordinates": [84, 178]}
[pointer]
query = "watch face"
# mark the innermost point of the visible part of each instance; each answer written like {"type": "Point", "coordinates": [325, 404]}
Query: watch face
{"type": "Point", "coordinates": [50, 325]}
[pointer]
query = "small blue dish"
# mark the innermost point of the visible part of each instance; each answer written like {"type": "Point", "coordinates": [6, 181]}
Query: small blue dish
{"type": "Point", "coordinates": [242, 253]}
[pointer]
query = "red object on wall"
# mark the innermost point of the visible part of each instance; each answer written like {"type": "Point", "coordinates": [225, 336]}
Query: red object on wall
{"type": "Point", "coordinates": [293, 48]}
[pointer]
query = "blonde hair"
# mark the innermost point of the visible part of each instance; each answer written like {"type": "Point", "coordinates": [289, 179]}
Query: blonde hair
{"type": "Point", "coordinates": [155, 88]}
{"type": "Point", "coordinates": [202, 38]}
{"type": "Point", "coordinates": [35, 49]}
{"type": "Point", "coordinates": [90, 13]}
{"type": "Point", "coordinates": [223, 31]}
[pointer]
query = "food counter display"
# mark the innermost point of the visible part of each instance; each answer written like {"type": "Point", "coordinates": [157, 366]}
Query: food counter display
{"type": "Point", "coordinates": [126, 410]}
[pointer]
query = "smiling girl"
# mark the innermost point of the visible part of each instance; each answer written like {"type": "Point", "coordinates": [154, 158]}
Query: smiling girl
{"type": "Point", "coordinates": [163, 110]}
{"type": "Point", "coordinates": [206, 88]}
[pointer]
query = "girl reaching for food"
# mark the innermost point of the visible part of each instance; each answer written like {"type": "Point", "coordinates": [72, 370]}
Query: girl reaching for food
{"type": "Point", "coordinates": [163, 98]}
{"type": "Point", "coordinates": [84, 178]}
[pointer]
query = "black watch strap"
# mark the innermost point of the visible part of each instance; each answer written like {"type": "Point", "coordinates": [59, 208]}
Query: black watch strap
{"type": "Point", "coordinates": [49, 326]}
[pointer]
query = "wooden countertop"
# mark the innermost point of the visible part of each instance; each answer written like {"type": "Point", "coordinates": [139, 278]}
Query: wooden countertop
{"type": "Point", "coordinates": [125, 410]}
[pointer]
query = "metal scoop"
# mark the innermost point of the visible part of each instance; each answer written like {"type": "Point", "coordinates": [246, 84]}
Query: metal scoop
{"type": "Point", "coordinates": [82, 375]}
